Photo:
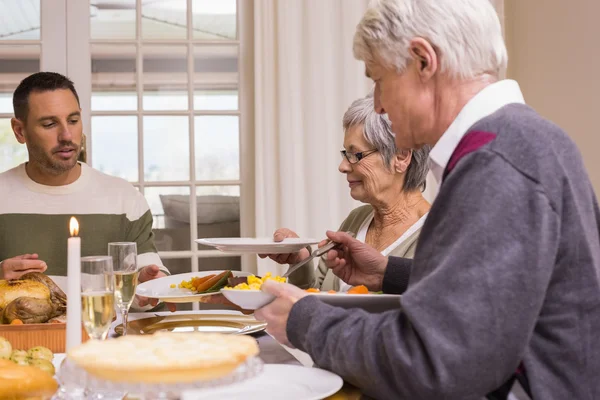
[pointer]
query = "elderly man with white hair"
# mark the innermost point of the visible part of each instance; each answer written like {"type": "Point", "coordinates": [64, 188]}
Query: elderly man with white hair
{"type": "Point", "coordinates": [505, 282]}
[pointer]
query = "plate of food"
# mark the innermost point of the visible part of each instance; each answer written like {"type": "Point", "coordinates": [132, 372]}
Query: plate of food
{"type": "Point", "coordinates": [245, 292]}
{"type": "Point", "coordinates": [26, 373]}
{"type": "Point", "coordinates": [359, 297]}
{"type": "Point", "coordinates": [258, 245]}
{"type": "Point", "coordinates": [189, 287]}
{"type": "Point", "coordinates": [234, 324]}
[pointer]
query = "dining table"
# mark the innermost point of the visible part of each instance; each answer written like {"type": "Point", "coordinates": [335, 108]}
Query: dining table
{"type": "Point", "coordinates": [271, 352]}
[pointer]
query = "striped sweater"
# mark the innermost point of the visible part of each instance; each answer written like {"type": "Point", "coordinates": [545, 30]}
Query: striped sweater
{"type": "Point", "coordinates": [34, 218]}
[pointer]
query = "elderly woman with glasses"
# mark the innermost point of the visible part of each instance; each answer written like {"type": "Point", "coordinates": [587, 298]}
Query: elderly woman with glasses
{"type": "Point", "coordinates": [389, 180]}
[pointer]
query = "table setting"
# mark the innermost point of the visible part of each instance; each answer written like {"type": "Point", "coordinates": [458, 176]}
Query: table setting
{"type": "Point", "coordinates": [165, 355]}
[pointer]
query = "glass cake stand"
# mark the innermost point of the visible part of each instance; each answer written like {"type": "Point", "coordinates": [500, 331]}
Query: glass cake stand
{"type": "Point", "coordinates": [77, 384]}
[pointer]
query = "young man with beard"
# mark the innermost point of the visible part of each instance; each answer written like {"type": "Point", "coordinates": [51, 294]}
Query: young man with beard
{"type": "Point", "coordinates": [37, 198]}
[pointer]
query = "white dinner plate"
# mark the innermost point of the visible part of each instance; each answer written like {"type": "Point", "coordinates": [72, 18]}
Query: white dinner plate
{"type": "Point", "coordinates": [258, 245]}
{"type": "Point", "coordinates": [374, 303]}
{"type": "Point", "coordinates": [161, 288]}
{"type": "Point", "coordinates": [277, 381]}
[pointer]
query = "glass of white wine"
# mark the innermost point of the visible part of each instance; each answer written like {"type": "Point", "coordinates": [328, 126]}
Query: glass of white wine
{"type": "Point", "coordinates": [124, 257]}
{"type": "Point", "coordinates": [97, 295]}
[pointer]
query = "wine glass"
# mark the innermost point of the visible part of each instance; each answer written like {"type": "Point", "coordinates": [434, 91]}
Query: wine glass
{"type": "Point", "coordinates": [97, 295]}
{"type": "Point", "coordinates": [124, 257]}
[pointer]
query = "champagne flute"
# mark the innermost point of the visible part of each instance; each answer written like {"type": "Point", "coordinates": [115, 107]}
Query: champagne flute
{"type": "Point", "coordinates": [97, 295]}
{"type": "Point", "coordinates": [124, 257]}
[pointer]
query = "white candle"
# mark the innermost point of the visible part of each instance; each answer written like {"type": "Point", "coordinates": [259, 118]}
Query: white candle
{"type": "Point", "coordinates": [73, 286]}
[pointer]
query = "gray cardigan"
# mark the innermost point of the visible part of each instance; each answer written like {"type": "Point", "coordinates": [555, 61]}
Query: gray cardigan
{"type": "Point", "coordinates": [323, 278]}
{"type": "Point", "coordinates": [507, 272]}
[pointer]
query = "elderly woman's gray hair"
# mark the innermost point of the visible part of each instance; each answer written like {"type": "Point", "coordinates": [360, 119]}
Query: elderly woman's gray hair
{"type": "Point", "coordinates": [377, 131]}
{"type": "Point", "coordinates": [466, 33]}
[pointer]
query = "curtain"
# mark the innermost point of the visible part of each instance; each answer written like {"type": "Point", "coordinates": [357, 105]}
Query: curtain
{"type": "Point", "coordinates": [305, 79]}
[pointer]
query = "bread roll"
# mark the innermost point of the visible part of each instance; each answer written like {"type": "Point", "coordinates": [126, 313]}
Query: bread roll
{"type": "Point", "coordinates": [20, 382]}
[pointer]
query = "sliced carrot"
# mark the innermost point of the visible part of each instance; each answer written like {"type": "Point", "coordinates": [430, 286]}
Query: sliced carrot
{"type": "Point", "coordinates": [16, 322]}
{"type": "Point", "coordinates": [207, 284]}
{"type": "Point", "coordinates": [361, 289]}
{"type": "Point", "coordinates": [312, 290]}
{"type": "Point", "coordinates": [197, 281]}
{"type": "Point", "coordinates": [331, 291]}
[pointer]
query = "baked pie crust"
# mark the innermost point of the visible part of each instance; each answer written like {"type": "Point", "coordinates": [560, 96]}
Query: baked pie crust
{"type": "Point", "coordinates": [164, 357]}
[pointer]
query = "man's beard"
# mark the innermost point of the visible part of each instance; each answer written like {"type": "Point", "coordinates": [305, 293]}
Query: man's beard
{"type": "Point", "coordinates": [48, 163]}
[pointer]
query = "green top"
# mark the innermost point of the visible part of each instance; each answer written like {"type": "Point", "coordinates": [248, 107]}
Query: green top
{"type": "Point", "coordinates": [322, 277]}
{"type": "Point", "coordinates": [35, 218]}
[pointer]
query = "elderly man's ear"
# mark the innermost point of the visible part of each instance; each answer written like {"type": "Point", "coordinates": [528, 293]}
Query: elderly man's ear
{"type": "Point", "coordinates": [402, 160]}
{"type": "Point", "coordinates": [424, 57]}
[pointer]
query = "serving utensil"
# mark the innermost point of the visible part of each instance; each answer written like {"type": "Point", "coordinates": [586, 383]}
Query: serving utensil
{"type": "Point", "coordinates": [317, 253]}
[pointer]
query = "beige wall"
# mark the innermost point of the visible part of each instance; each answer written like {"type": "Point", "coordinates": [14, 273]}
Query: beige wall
{"type": "Point", "coordinates": [554, 53]}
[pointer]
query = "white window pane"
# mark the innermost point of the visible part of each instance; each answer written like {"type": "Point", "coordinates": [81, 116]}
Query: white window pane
{"type": "Point", "coordinates": [217, 147]}
{"type": "Point", "coordinates": [215, 77]}
{"type": "Point", "coordinates": [112, 20]}
{"type": "Point", "coordinates": [170, 207]}
{"type": "Point", "coordinates": [166, 148]}
{"type": "Point", "coordinates": [21, 20]}
{"type": "Point", "coordinates": [12, 153]}
{"type": "Point", "coordinates": [214, 20]}
{"type": "Point", "coordinates": [115, 146]}
{"type": "Point", "coordinates": [216, 100]}
{"type": "Point", "coordinates": [113, 77]}
{"type": "Point", "coordinates": [16, 63]}
{"type": "Point", "coordinates": [165, 78]}
{"type": "Point", "coordinates": [164, 19]}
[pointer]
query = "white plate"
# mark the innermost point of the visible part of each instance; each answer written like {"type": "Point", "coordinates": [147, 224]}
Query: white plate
{"type": "Point", "coordinates": [277, 381]}
{"type": "Point", "coordinates": [248, 299]}
{"type": "Point", "coordinates": [161, 288]}
{"type": "Point", "coordinates": [258, 245]}
{"type": "Point", "coordinates": [374, 303]}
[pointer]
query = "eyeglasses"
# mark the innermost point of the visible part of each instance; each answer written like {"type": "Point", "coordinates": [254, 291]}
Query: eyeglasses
{"type": "Point", "coordinates": [353, 158]}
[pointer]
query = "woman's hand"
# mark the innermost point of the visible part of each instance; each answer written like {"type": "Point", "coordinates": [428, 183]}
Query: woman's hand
{"type": "Point", "coordinates": [288, 258]}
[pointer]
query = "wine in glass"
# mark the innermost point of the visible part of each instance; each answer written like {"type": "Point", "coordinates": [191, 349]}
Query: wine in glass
{"type": "Point", "coordinates": [124, 257]}
{"type": "Point", "coordinates": [97, 295]}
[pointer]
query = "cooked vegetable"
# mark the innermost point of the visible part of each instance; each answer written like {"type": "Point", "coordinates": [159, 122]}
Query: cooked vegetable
{"type": "Point", "coordinates": [361, 289]}
{"type": "Point", "coordinates": [210, 283]}
{"type": "Point", "coordinates": [255, 282]}
{"type": "Point", "coordinates": [42, 364]}
{"type": "Point", "coordinates": [19, 357]}
{"type": "Point", "coordinates": [5, 349]}
{"type": "Point", "coordinates": [40, 352]}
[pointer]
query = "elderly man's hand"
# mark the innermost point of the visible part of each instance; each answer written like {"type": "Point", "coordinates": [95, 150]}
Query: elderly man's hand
{"type": "Point", "coordinates": [288, 258]}
{"type": "Point", "coordinates": [149, 273]}
{"type": "Point", "coordinates": [356, 263]}
{"type": "Point", "coordinates": [15, 267]}
{"type": "Point", "coordinates": [277, 312]}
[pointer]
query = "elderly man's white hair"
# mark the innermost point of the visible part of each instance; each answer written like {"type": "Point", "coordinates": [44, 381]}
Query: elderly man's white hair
{"type": "Point", "coordinates": [466, 34]}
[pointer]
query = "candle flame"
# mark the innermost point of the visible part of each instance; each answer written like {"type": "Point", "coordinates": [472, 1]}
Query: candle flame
{"type": "Point", "coordinates": [74, 226]}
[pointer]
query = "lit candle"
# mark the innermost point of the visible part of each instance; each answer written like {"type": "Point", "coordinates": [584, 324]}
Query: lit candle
{"type": "Point", "coordinates": [73, 286]}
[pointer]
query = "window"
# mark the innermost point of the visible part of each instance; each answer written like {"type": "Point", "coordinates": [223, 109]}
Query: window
{"type": "Point", "coordinates": [20, 48]}
{"type": "Point", "coordinates": [165, 115]}
{"type": "Point", "coordinates": [162, 89]}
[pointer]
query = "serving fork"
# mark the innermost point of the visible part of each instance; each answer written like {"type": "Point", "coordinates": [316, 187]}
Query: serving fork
{"type": "Point", "coordinates": [317, 253]}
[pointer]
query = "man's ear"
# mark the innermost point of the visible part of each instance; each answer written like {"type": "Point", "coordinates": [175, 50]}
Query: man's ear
{"type": "Point", "coordinates": [425, 57]}
{"type": "Point", "coordinates": [402, 160]}
{"type": "Point", "coordinates": [18, 128]}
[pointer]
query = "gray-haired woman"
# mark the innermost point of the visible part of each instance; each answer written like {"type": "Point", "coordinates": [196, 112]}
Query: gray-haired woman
{"type": "Point", "coordinates": [388, 179]}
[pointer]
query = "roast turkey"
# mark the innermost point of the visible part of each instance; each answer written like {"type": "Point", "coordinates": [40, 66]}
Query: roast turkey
{"type": "Point", "coordinates": [34, 298]}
